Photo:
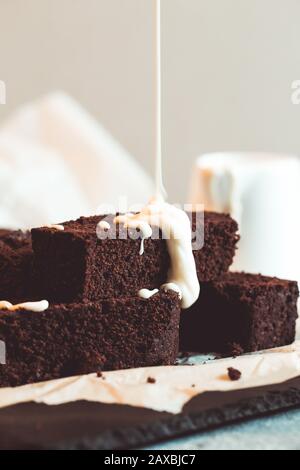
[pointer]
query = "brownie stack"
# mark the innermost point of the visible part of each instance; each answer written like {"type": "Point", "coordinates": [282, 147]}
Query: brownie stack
{"type": "Point", "coordinates": [96, 321]}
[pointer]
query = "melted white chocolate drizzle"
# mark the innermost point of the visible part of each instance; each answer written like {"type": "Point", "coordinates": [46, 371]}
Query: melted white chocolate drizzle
{"type": "Point", "coordinates": [30, 306]}
{"type": "Point", "coordinates": [173, 222]}
{"type": "Point", "coordinates": [147, 294]}
{"type": "Point", "coordinates": [176, 229]}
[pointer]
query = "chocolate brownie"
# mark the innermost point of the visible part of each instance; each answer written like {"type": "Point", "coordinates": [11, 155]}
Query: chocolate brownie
{"type": "Point", "coordinates": [76, 339]}
{"type": "Point", "coordinates": [15, 265]}
{"type": "Point", "coordinates": [241, 313]}
{"type": "Point", "coordinates": [75, 266]}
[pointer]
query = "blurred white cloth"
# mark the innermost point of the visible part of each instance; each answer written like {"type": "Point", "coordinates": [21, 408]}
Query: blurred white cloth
{"type": "Point", "coordinates": [58, 163]}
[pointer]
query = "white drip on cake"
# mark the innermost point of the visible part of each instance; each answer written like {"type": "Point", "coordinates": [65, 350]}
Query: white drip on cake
{"type": "Point", "coordinates": [147, 294]}
{"type": "Point", "coordinates": [30, 306]}
{"type": "Point", "coordinates": [176, 229]}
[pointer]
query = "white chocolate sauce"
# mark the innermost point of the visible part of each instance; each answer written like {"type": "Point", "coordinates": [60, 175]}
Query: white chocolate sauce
{"type": "Point", "coordinates": [160, 189]}
{"type": "Point", "coordinates": [4, 305]}
{"type": "Point", "coordinates": [173, 222]}
{"type": "Point", "coordinates": [145, 229]}
{"type": "Point", "coordinates": [176, 228]}
{"type": "Point", "coordinates": [58, 227]}
{"type": "Point", "coordinates": [30, 306]}
{"type": "Point", "coordinates": [147, 294]}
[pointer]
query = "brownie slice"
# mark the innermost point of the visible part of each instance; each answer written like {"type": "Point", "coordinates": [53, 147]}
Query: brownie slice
{"type": "Point", "coordinates": [241, 313]}
{"type": "Point", "coordinates": [15, 265]}
{"type": "Point", "coordinates": [75, 266]}
{"type": "Point", "coordinates": [76, 339]}
{"type": "Point", "coordinates": [219, 233]}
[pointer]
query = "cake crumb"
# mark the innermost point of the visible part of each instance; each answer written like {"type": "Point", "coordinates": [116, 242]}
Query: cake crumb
{"type": "Point", "coordinates": [100, 375]}
{"type": "Point", "coordinates": [234, 374]}
{"type": "Point", "coordinates": [151, 380]}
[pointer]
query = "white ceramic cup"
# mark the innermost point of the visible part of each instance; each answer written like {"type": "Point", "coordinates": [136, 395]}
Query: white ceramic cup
{"type": "Point", "coordinates": [262, 192]}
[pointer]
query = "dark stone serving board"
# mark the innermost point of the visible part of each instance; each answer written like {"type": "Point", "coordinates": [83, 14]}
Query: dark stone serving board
{"type": "Point", "coordinates": [87, 425]}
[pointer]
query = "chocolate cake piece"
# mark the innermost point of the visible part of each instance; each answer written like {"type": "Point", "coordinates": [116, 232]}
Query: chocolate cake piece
{"type": "Point", "coordinates": [220, 244]}
{"type": "Point", "coordinates": [241, 313]}
{"type": "Point", "coordinates": [68, 340]}
{"type": "Point", "coordinates": [75, 266]}
{"type": "Point", "coordinates": [15, 265]}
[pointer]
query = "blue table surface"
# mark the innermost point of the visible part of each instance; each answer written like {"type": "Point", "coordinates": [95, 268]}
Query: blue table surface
{"type": "Point", "coordinates": [277, 432]}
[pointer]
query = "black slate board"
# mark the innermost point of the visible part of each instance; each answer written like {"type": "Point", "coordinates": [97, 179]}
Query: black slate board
{"type": "Point", "coordinates": [86, 425]}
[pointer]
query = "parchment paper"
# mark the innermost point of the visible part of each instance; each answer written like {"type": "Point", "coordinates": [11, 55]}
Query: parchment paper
{"type": "Point", "coordinates": [174, 386]}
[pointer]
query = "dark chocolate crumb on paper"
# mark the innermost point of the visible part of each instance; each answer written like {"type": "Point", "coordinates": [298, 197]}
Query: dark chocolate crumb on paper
{"type": "Point", "coordinates": [100, 375]}
{"type": "Point", "coordinates": [234, 374]}
{"type": "Point", "coordinates": [151, 380]}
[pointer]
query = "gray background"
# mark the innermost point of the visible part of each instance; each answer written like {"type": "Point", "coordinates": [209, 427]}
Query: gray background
{"type": "Point", "coordinates": [228, 68]}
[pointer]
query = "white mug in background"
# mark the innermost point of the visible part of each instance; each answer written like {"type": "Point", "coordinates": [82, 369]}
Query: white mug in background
{"type": "Point", "coordinates": [262, 192]}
